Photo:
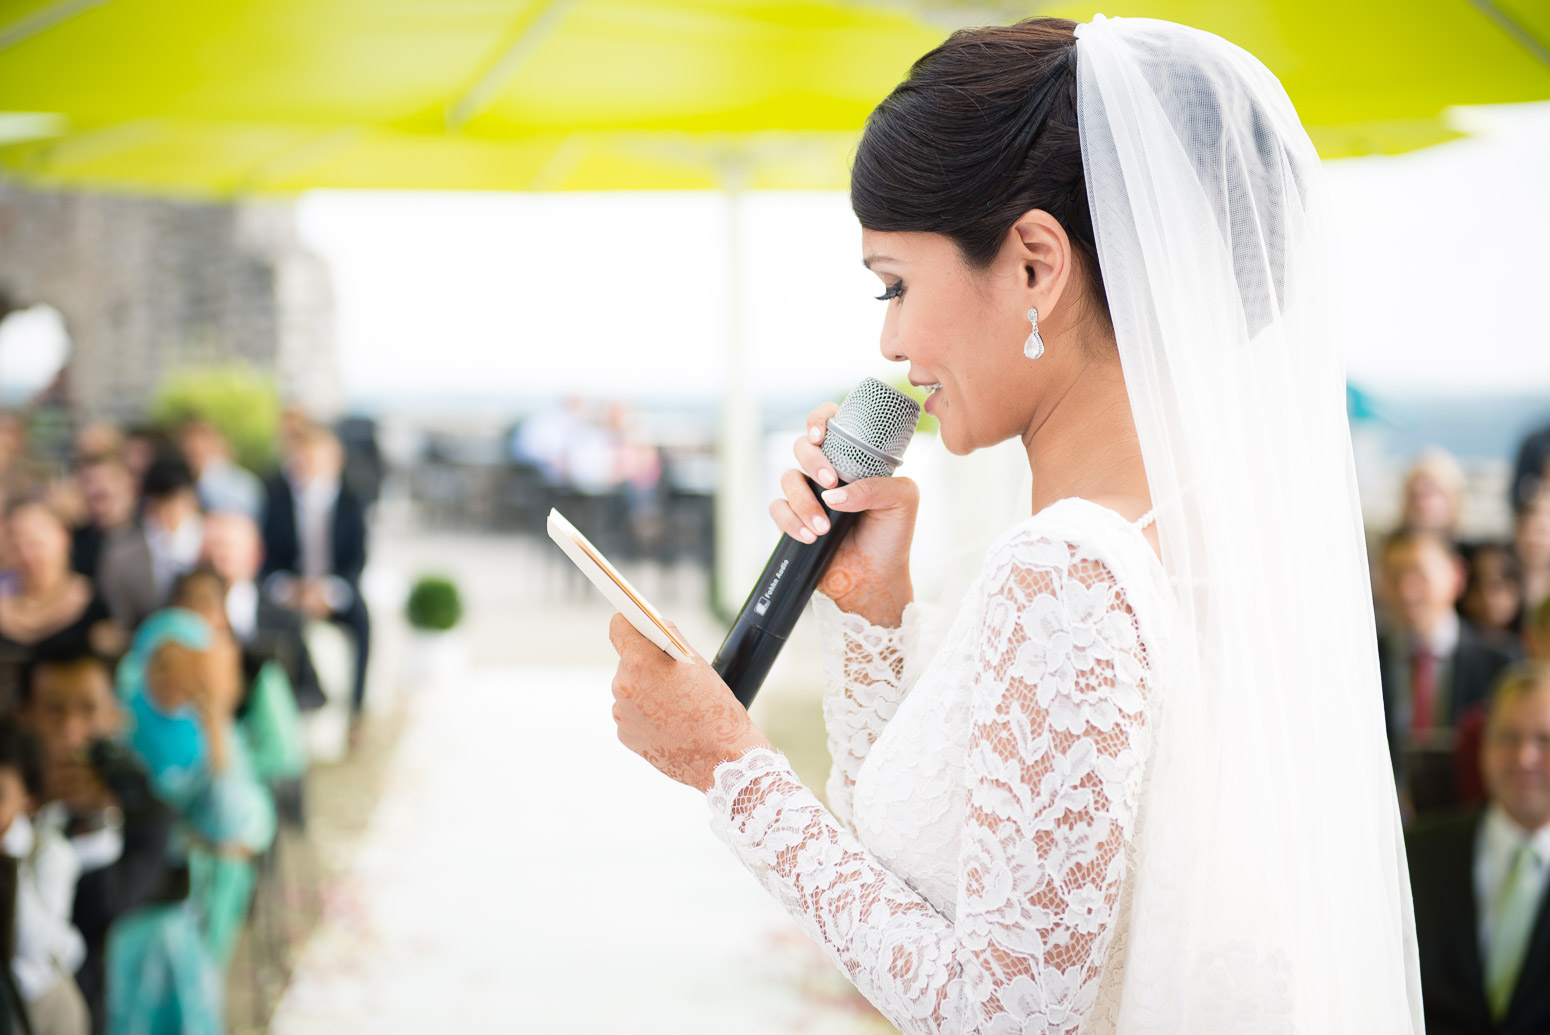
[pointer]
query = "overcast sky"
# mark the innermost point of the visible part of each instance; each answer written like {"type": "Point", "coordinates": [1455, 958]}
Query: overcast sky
{"type": "Point", "coordinates": [1444, 256]}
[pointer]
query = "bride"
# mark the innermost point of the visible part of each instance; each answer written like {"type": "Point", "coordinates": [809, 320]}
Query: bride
{"type": "Point", "coordinates": [1142, 786]}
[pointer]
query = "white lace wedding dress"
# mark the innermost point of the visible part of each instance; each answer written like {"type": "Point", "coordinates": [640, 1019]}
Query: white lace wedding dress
{"type": "Point", "coordinates": [972, 874]}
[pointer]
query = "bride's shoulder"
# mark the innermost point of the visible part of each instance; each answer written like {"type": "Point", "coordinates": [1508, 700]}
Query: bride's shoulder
{"type": "Point", "coordinates": [1071, 524]}
{"type": "Point", "coordinates": [1075, 535]}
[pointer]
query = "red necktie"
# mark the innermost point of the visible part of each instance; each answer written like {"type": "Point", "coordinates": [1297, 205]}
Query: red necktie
{"type": "Point", "coordinates": [1423, 689]}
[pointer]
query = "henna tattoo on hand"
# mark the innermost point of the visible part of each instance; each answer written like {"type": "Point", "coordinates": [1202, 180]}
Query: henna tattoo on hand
{"type": "Point", "coordinates": [852, 584]}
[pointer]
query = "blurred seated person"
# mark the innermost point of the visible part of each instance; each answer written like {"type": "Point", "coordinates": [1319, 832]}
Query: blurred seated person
{"type": "Point", "coordinates": [1478, 879]}
{"type": "Point", "coordinates": [1433, 493]}
{"type": "Point", "coordinates": [266, 710]}
{"type": "Point", "coordinates": [543, 438]}
{"type": "Point", "coordinates": [234, 549]}
{"type": "Point", "coordinates": [47, 606]}
{"type": "Point", "coordinates": [315, 544]}
{"type": "Point", "coordinates": [1531, 545]}
{"type": "Point", "coordinates": [1529, 473]}
{"type": "Point", "coordinates": [269, 727]}
{"type": "Point", "coordinates": [8, 578]}
{"type": "Point", "coordinates": [1493, 596]}
{"type": "Point", "coordinates": [143, 445]}
{"type": "Point", "coordinates": [1536, 632]}
{"type": "Point", "coordinates": [218, 481]}
{"type": "Point", "coordinates": [13, 443]}
{"type": "Point", "coordinates": [65, 499]}
{"type": "Point", "coordinates": [180, 702]}
{"type": "Point", "coordinates": [47, 948]}
{"type": "Point", "coordinates": [97, 440]}
{"type": "Point", "coordinates": [108, 494]}
{"type": "Point", "coordinates": [99, 796]}
{"type": "Point", "coordinates": [1436, 668]}
{"type": "Point", "coordinates": [140, 563]}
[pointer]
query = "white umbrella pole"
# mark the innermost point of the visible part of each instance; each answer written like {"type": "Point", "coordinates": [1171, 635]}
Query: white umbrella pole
{"type": "Point", "coordinates": [737, 494]}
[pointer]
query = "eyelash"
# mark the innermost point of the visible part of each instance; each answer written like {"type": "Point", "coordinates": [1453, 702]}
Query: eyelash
{"type": "Point", "coordinates": [895, 290]}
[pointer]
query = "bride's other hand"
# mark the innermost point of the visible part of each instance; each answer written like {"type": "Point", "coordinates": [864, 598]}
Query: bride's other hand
{"type": "Point", "coordinates": [870, 573]}
{"type": "Point", "coordinates": [677, 715]}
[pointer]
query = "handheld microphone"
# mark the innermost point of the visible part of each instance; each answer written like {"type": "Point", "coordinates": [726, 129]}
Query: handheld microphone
{"type": "Point", "coordinates": [865, 439]}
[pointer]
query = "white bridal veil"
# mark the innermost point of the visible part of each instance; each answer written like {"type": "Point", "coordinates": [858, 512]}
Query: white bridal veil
{"type": "Point", "coordinates": [1270, 888]}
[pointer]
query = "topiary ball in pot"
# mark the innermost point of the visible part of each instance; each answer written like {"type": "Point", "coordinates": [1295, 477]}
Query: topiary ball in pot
{"type": "Point", "coordinates": [434, 604]}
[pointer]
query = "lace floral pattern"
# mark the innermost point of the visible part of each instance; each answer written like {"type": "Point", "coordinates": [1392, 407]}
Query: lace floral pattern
{"type": "Point", "coordinates": [1057, 743]}
{"type": "Point", "coordinates": [864, 681]}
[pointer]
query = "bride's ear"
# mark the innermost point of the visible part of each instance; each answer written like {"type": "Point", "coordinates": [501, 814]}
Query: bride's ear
{"type": "Point", "coordinates": [1043, 250]}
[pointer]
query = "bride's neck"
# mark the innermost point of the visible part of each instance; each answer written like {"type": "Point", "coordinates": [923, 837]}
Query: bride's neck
{"type": "Point", "coordinates": [1086, 444]}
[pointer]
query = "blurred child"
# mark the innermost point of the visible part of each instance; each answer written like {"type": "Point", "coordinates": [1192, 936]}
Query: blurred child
{"type": "Point", "coordinates": [164, 969]}
{"type": "Point", "coordinates": [48, 949]}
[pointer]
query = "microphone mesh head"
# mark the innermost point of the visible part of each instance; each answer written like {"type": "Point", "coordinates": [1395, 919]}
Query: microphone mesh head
{"type": "Point", "coordinates": [866, 438]}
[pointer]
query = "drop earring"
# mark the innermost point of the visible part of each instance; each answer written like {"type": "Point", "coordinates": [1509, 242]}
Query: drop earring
{"type": "Point", "coordinates": [1033, 348]}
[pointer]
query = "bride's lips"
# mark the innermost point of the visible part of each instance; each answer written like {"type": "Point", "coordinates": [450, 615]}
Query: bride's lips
{"type": "Point", "coordinates": [933, 390]}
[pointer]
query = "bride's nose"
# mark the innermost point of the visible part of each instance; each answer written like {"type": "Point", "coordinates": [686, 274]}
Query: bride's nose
{"type": "Point", "coordinates": [889, 344]}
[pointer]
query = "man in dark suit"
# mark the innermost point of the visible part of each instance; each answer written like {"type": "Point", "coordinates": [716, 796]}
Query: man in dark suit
{"type": "Point", "coordinates": [315, 543]}
{"type": "Point", "coordinates": [1437, 669]}
{"type": "Point", "coordinates": [1479, 879]}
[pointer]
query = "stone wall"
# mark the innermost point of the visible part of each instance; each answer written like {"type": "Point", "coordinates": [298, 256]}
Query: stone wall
{"type": "Point", "coordinates": [146, 286]}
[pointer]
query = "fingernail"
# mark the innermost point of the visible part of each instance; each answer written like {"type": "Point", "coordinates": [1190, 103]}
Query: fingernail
{"type": "Point", "coordinates": [814, 433]}
{"type": "Point", "coordinates": [826, 476]}
{"type": "Point", "coordinates": [806, 535]}
{"type": "Point", "coordinates": [821, 523]}
{"type": "Point", "coordinates": [834, 496]}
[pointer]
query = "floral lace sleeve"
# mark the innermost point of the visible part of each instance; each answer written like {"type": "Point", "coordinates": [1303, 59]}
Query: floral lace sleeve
{"type": "Point", "coordinates": [1055, 756]}
{"type": "Point", "coordinates": [865, 678]}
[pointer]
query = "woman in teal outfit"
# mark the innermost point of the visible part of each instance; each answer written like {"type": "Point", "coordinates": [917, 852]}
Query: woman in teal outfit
{"type": "Point", "coordinates": [165, 961]}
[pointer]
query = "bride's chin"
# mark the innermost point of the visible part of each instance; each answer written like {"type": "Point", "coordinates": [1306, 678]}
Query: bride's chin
{"type": "Point", "coordinates": [951, 441]}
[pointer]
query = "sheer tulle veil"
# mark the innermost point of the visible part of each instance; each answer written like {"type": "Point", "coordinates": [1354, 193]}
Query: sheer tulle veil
{"type": "Point", "coordinates": [1270, 891]}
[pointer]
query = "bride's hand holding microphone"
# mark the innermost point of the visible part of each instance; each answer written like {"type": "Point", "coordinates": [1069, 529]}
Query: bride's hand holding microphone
{"type": "Point", "coordinates": [685, 717]}
{"type": "Point", "coordinates": [870, 573]}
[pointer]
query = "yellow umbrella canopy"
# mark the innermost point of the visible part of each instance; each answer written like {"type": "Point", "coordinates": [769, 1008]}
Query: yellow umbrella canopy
{"type": "Point", "coordinates": [283, 95]}
{"type": "Point", "coordinates": [222, 97]}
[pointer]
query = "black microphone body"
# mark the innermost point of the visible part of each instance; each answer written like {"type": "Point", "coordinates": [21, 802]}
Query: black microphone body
{"type": "Point", "coordinates": [866, 438]}
{"type": "Point", "coordinates": [772, 609]}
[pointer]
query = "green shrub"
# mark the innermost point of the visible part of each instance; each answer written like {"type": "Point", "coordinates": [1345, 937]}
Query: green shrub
{"type": "Point", "coordinates": [241, 402]}
{"type": "Point", "coordinates": [434, 604]}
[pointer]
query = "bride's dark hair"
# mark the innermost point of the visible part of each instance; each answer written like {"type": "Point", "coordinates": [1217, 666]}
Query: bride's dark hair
{"type": "Point", "coordinates": [981, 130]}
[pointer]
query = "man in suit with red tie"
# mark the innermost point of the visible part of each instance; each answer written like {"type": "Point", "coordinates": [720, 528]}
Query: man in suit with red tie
{"type": "Point", "coordinates": [1437, 670]}
{"type": "Point", "coordinates": [1479, 880]}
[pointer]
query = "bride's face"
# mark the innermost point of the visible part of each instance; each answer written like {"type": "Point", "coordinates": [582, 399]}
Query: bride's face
{"type": "Point", "coordinates": [960, 328]}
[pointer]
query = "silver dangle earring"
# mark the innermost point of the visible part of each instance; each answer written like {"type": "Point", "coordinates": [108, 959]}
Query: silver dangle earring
{"type": "Point", "coordinates": [1033, 348]}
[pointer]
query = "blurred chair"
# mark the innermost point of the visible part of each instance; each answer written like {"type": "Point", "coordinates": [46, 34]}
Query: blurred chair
{"type": "Point", "coordinates": [524, 499]}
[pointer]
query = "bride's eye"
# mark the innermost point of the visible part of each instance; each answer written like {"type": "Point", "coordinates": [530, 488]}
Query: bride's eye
{"type": "Point", "coordinates": [895, 290]}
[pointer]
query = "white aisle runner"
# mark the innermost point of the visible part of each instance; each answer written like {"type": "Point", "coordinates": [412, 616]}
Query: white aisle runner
{"type": "Point", "coordinates": [523, 872]}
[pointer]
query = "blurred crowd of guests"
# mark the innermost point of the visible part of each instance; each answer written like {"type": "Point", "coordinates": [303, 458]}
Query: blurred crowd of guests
{"type": "Point", "coordinates": [1464, 652]}
{"type": "Point", "coordinates": [156, 600]}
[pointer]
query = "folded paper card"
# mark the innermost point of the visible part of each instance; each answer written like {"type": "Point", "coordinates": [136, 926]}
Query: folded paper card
{"type": "Point", "coordinates": [636, 609]}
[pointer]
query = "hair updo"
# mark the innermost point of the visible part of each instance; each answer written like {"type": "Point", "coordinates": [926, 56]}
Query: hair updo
{"type": "Point", "coordinates": [981, 130]}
